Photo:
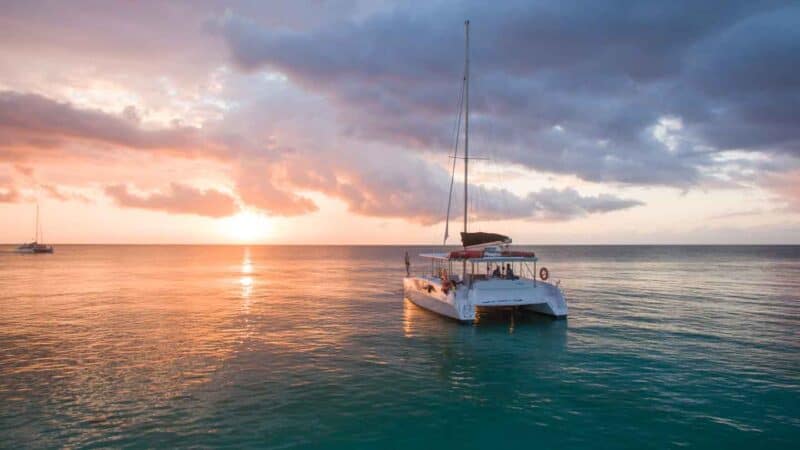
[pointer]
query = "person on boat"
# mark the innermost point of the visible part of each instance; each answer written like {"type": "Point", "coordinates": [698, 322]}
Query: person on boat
{"type": "Point", "coordinates": [509, 272]}
{"type": "Point", "coordinates": [408, 265]}
{"type": "Point", "coordinates": [496, 273]}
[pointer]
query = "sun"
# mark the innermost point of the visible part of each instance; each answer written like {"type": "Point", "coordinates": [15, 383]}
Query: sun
{"type": "Point", "coordinates": [247, 226]}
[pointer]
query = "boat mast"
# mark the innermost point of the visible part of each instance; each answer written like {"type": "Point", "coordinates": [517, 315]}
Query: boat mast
{"type": "Point", "coordinates": [36, 237]}
{"type": "Point", "coordinates": [466, 127]}
{"type": "Point", "coordinates": [466, 139]}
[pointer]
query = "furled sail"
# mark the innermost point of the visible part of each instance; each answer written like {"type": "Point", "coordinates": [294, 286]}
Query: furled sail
{"type": "Point", "coordinates": [481, 239]}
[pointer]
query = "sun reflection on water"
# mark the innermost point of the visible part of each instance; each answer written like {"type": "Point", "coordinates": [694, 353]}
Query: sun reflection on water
{"type": "Point", "coordinates": [247, 286]}
{"type": "Point", "coordinates": [246, 280]}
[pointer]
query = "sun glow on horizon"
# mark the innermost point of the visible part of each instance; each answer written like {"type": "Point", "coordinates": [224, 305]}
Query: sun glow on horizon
{"type": "Point", "coordinates": [247, 227]}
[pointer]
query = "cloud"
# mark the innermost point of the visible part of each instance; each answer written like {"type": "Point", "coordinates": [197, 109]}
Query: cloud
{"type": "Point", "coordinates": [568, 203]}
{"type": "Point", "coordinates": [8, 191]}
{"type": "Point", "coordinates": [31, 121]}
{"type": "Point", "coordinates": [64, 196]}
{"type": "Point", "coordinates": [643, 93]}
{"type": "Point", "coordinates": [568, 87]}
{"type": "Point", "coordinates": [255, 187]}
{"type": "Point", "coordinates": [787, 186]}
{"type": "Point", "coordinates": [8, 195]}
{"type": "Point", "coordinates": [741, 213]}
{"type": "Point", "coordinates": [407, 187]}
{"type": "Point", "coordinates": [180, 199]}
{"type": "Point", "coordinates": [371, 179]}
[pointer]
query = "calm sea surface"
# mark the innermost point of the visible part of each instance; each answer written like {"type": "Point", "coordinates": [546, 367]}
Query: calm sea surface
{"type": "Point", "coordinates": [309, 347]}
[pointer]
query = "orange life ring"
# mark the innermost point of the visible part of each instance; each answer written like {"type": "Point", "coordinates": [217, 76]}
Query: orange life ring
{"type": "Point", "coordinates": [544, 274]}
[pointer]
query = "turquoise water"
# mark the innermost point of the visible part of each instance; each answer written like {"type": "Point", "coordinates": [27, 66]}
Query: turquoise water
{"type": "Point", "coordinates": [309, 347]}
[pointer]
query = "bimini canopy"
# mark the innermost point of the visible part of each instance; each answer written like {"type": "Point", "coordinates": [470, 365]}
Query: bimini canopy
{"type": "Point", "coordinates": [481, 239]}
{"type": "Point", "coordinates": [481, 256]}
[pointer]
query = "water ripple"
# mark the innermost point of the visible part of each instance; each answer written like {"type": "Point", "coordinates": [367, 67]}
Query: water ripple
{"type": "Point", "coordinates": [290, 347]}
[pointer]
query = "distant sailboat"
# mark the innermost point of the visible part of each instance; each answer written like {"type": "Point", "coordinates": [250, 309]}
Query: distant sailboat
{"type": "Point", "coordinates": [35, 246]}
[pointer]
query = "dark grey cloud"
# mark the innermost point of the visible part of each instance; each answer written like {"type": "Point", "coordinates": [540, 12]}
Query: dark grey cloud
{"type": "Point", "coordinates": [574, 87]}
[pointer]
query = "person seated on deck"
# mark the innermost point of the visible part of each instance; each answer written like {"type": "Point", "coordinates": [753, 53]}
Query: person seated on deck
{"type": "Point", "coordinates": [496, 273]}
{"type": "Point", "coordinates": [510, 272]}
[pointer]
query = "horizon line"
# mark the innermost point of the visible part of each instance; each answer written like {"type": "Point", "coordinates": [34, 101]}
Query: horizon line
{"type": "Point", "coordinates": [232, 244]}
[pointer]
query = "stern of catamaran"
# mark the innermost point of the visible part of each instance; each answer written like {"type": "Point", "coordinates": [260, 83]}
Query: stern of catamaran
{"type": "Point", "coordinates": [539, 296]}
{"type": "Point", "coordinates": [488, 278]}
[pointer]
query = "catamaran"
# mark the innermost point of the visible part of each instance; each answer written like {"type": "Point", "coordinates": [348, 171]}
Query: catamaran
{"type": "Point", "coordinates": [35, 246]}
{"type": "Point", "coordinates": [487, 273]}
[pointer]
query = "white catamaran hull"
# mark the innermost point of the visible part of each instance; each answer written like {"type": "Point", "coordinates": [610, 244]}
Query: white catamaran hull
{"type": "Point", "coordinates": [461, 303]}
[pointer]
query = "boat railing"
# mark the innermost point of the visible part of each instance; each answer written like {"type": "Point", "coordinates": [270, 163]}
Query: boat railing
{"type": "Point", "coordinates": [420, 272]}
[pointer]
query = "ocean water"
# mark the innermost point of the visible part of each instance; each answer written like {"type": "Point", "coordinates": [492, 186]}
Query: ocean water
{"type": "Point", "coordinates": [315, 347]}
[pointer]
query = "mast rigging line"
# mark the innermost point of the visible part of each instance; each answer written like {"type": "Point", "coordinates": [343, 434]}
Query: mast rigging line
{"type": "Point", "coordinates": [457, 133]}
{"type": "Point", "coordinates": [462, 111]}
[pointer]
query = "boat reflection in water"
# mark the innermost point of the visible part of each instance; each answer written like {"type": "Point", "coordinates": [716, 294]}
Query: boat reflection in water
{"type": "Point", "coordinates": [419, 322]}
{"type": "Point", "coordinates": [472, 361]}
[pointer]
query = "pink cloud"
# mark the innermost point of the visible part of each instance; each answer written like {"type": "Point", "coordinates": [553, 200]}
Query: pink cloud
{"type": "Point", "coordinates": [30, 121]}
{"type": "Point", "coordinates": [59, 194]}
{"type": "Point", "coordinates": [371, 183]}
{"type": "Point", "coordinates": [787, 185]}
{"type": "Point", "coordinates": [406, 187]}
{"type": "Point", "coordinates": [8, 192]}
{"type": "Point", "coordinates": [8, 195]}
{"type": "Point", "coordinates": [180, 199]}
{"type": "Point", "coordinates": [255, 187]}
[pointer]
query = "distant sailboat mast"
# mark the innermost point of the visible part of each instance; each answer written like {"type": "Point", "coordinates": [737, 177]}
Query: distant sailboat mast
{"type": "Point", "coordinates": [36, 235]}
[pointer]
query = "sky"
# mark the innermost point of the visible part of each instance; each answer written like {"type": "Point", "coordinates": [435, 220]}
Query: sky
{"type": "Point", "coordinates": [334, 122]}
